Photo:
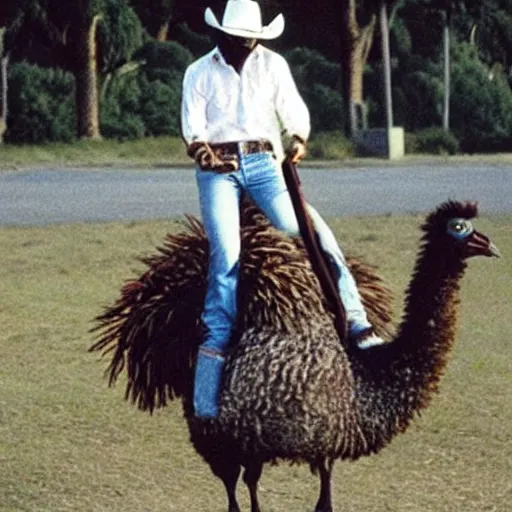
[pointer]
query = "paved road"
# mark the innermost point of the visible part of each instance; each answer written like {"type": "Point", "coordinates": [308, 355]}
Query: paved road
{"type": "Point", "coordinates": [46, 196]}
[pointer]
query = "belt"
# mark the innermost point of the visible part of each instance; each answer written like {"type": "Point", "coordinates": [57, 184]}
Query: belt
{"type": "Point", "coordinates": [247, 147]}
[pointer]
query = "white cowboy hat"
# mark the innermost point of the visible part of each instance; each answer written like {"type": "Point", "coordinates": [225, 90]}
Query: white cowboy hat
{"type": "Point", "coordinates": [242, 18]}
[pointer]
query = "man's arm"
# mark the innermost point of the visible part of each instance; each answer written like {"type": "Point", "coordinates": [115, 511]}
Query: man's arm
{"type": "Point", "coordinates": [194, 126]}
{"type": "Point", "coordinates": [292, 111]}
{"type": "Point", "coordinates": [193, 121]}
{"type": "Point", "coordinates": [193, 109]}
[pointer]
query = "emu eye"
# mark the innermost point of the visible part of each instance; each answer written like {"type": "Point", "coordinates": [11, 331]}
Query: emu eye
{"type": "Point", "coordinates": [460, 228]}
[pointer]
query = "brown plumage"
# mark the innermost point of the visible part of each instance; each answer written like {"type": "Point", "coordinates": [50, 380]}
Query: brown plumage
{"type": "Point", "coordinates": [291, 389]}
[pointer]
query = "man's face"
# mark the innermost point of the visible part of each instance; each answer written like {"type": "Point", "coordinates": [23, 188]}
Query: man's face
{"type": "Point", "coordinates": [235, 47]}
{"type": "Point", "coordinates": [240, 42]}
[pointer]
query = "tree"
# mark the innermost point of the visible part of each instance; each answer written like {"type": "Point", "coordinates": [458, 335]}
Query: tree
{"type": "Point", "coordinates": [69, 31]}
{"type": "Point", "coordinates": [41, 107]}
{"type": "Point", "coordinates": [447, 8]}
{"type": "Point", "coordinates": [119, 37]}
{"type": "Point", "coordinates": [482, 113]}
{"type": "Point", "coordinates": [491, 32]}
{"type": "Point", "coordinates": [317, 80]}
{"type": "Point", "coordinates": [4, 59]}
{"type": "Point", "coordinates": [155, 15]}
{"type": "Point", "coordinates": [386, 61]}
{"type": "Point", "coordinates": [357, 31]}
{"type": "Point", "coordinates": [11, 15]}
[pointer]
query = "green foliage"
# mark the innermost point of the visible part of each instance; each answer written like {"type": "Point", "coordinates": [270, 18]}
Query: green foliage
{"type": "Point", "coordinates": [418, 94]}
{"type": "Point", "coordinates": [481, 113]}
{"type": "Point", "coordinates": [164, 61]}
{"type": "Point", "coordinates": [410, 143]}
{"type": "Point", "coordinates": [330, 146]}
{"type": "Point", "coordinates": [160, 81]}
{"type": "Point", "coordinates": [317, 80]}
{"type": "Point", "coordinates": [435, 141]}
{"type": "Point", "coordinates": [198, 44]}
{"type": "Point", "coordinates": [40, 105]}
{"type": "Point", "coordinates": [143, 102]}
{"type": "Point", "coordinates": [147, 102]}
{"type": "Point", "coordinates": [159, 106]}
{"type": "Point", "coordinates": [153, 13]}
{"type": "Point", "coordinates": [120, 34]}
{"type": "Point", "coordinates": [119, 117]}
{"type": "Point", "coordinates": [141, 85]}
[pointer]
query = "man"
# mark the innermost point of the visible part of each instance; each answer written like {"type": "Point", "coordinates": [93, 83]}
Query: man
{"type": "Point", "coordinates": [237, 101]}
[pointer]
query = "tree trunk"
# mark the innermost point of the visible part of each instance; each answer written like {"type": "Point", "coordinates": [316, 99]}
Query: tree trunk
{"type": "Point", "coordinates": [88, 126]}
{"type": "Point", "coordinates": [4, 61]}
{"type": "Point", "coordinates": [163, 31]}
{"type": "Point", "coordinates": [446, 38]}
{"type": "Point", "coordinates": [386, 62]}
{"type": "Point", "coordinates": [356, 42]}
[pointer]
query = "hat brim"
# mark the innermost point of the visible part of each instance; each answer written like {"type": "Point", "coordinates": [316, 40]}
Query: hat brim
{"type": "Point", "coordinates": [271, 31]}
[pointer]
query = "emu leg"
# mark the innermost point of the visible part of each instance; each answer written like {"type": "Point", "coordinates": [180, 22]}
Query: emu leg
{"type": "Point", "coordinates": [324, 503]}
{"type": "Point", "coordinates": [229, 472]}
{"type": "Point", "coordinates": [252, 475]}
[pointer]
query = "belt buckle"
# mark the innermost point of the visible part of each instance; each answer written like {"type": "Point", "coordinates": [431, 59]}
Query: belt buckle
{"type": "Point", "coordinates": [253, 146]}
{"type": "Point", "coordinates": [247, 148]}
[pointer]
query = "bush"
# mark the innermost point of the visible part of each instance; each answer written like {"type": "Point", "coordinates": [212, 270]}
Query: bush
{"type": "Point", "coordinates": [410, 143]}
{"type": "Point", "coordinates": [436, 141]}
{"type": "Point", "coordinates": [119, 118]}
{"type": "Point", "coordinates": [198, 44]}
{"type": "Point", "coordinates": [317, 81]}
{"type": "Point", "coordinates": [147, 102]}
{"type": "Point", "coordinates": [160, 106]}
{"type": "Point", "coordinates": [330, 146]}
{"type": "Point", "coordinates": [41, 105]}
{"type": "Point", "coordinates": [417, 94]}
{"type": "Point", "coordinates": [120, 35]}
{"type": "Point", "coordinates": [164, 61]}
{"type": "Point", "coordinates": [481, 111]}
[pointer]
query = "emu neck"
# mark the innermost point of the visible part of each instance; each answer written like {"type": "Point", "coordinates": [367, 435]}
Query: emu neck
{"type": "Point", "coordinates": [394, 382]}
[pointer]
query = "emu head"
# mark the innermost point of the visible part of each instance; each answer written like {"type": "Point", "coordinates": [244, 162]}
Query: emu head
{"type": "Point", "coordinates": [451, 230]}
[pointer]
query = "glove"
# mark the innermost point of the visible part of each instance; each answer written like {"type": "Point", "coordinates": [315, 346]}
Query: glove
{"type": "Point", "coordinates": [203, 154]}
{"type": "Point", "coordinates": [296, 150]}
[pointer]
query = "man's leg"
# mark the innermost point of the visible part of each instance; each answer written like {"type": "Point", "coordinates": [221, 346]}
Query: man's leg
{"type": "Point", "coordinates": [359, 327]}
{"type": "Point", "coordinates": [272, 196]}
{"type": "Point", "coordinates": [219, 196]}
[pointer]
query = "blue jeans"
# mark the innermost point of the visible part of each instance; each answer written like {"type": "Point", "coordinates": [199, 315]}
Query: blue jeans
{"type": "Point", "coordinates": [219, 196]}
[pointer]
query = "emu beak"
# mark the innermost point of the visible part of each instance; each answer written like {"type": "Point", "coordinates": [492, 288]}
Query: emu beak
{"type": "Point", "coordinates": [479, 245]}
{"type": "Point", "coordinates": [494, 251]}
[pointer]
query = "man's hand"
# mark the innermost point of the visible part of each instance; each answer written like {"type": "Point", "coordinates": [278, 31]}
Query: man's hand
{"type": "Point", "coordinates": [296, 150]}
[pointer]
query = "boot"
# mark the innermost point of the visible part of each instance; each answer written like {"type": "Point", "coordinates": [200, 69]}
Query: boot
{"type": "Point", "coordinates": [209, 366]}
{"type": "Point", "coordinates": [364, 337]}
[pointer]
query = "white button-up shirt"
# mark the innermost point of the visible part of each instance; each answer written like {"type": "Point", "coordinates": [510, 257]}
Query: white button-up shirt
{"type": "Point", "coordinates": [220, 105]}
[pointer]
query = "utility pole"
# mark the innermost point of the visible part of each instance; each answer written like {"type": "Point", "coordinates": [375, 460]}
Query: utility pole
{"type": "Point", "coordinates": [446, 41]}
{"type": "Point", "coordinates": [4, 59]}
{"type": "Point", "coordinates": [386, 61]}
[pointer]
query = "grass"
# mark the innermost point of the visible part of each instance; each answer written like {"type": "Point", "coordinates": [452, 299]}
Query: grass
{"type": "Point", "coordinates": [150, 151]}
{"type": "Point", "coordinates": [147, 152]}
{"type": "Point", "coordinates": [68, 443]}
{"type": "Point", "coordinates": [323, 149]}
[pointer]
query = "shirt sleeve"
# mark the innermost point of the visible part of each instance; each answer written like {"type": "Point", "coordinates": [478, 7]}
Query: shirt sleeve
{"type": "Point", "coordinates": [290, 106]}
{"type": "Point", "coordinates": [193, 108]}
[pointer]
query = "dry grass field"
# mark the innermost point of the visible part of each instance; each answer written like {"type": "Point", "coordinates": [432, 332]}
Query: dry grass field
{"type": "Point", "coordinates": [68, 443]}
